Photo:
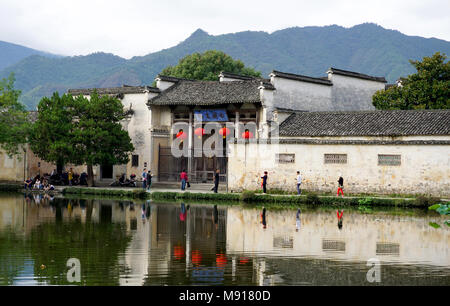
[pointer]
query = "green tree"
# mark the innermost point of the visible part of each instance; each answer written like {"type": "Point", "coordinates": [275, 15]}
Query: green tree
{"type": "Point", "coordinates": [98, 136]}
{"type": "Point", "coordinates": [207, 66]}
{"type": "Point", "coordinates": [14, 120]}
{"type": "Point", "coordinates": [81, 131]}
{"type": "Point", "coordinates": [426, 89]}
{"type": "Point", "coordinates": [52, 133]}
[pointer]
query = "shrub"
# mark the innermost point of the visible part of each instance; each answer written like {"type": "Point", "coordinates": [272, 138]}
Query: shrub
{"type": "Point", "coordinates": [312, 198]}
{"type": "Point", "coordinates": [248, 196]}
{"type": "Point", "coordinates": [365, 201]}
{"type": "Point", "coordinates": [425, 201]}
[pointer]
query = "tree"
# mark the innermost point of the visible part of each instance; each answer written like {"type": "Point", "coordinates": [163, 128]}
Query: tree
{"type": "Point", "coordinates": [98, 137]}
{"type": "Point", "coordinates": [207, 66]}
{"type": "Point", "coordinates": [81, 131]}
{"type": "Point", "coordinates": [52, 134]}
{"type": "Point", "coordinates": [426, 89]}
{"type": "Point", "coordinates": [14, 120]}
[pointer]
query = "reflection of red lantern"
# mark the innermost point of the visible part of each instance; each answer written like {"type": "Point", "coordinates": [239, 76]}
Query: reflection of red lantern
{"type": "Point", "coordinates": [247, 135]}
{"type": "Point", "coordinates": [221, 260]}
{"type": "Point", "coordinates": [224, 132]}
{"type": "Point", "coordinates": [196, 257]}
{"type": "Point", "coordinates": [199, 132]}
{"type": "Point", "coordinates": [178, 252]}
{"type": "Point", "coordinates": [243, 260]}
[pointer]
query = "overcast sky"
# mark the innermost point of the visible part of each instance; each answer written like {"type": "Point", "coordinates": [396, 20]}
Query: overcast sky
{"type": "Point", "coordinates": [137, 27]}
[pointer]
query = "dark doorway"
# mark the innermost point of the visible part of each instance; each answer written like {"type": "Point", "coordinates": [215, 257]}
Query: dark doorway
{"type": "Point", "coordinates": [106, 171]}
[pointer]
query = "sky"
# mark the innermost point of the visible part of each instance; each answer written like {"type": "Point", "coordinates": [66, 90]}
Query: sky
{"type": "Point", "coordinates": [137, 27]}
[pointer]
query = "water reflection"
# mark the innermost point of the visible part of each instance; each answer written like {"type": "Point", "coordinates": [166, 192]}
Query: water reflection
{"type": "Point", "coordinates": [147, 243]}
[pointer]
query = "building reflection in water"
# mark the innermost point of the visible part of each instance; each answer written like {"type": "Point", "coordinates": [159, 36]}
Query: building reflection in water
{"type": "Point", "coordinates": [177, 244]}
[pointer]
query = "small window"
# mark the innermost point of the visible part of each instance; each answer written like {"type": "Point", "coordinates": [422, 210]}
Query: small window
{"type": "Point", "coordinates": [335, 158]}
{"type": "Point", "coordinates": [389, 160]}
{"type": "Point", "coordinates": [284, 158]}
{"type": "Point", "coordinates": [135, 161]}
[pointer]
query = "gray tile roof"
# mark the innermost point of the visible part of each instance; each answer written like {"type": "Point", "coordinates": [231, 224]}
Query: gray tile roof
{"type": "Point", "coordinates": [208, 93]}
{"type": "Point", "coordinates": [126, 89]}
{"type": "Point", "coordinates": [169, 78]}
{"type": "Point", "coordinates": [356, 75]}
{"type": "Point", "coordinates": [304, 78]}
{"type": "Point", "coordinates": [235, 76]}
{"type": "Point", "coordinates": [367, 123]}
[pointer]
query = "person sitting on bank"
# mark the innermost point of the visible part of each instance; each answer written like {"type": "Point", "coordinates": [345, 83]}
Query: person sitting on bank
{"type": "Point", "coordinates": [37, 184]}
{"type": "Point", "coordinates": [28, 183]}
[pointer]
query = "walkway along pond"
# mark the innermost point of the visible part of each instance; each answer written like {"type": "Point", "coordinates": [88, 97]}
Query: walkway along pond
{"type": "Point", "coordinates": [144, 242]}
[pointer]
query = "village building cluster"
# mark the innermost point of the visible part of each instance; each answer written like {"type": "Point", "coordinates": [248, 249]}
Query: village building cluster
{"type": "Point", "coordinates": [324, 127]}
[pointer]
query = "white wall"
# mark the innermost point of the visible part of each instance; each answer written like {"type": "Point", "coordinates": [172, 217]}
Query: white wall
{"type": "Point", "coordinates": [350, 93]}
{"type": "Point", "coordinates": [424, 168]}
{"type": "Point", "coordinates": [299, 95]}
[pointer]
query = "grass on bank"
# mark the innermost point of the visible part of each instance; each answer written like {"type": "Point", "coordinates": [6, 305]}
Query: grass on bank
{"type": "Point", "coordinates": [250, 197]}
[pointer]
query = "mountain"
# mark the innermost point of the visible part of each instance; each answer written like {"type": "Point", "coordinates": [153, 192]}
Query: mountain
{"type": "Point", "coordinates": [11, 54]}
{"type": "Point", "coordinates": [366, 48]}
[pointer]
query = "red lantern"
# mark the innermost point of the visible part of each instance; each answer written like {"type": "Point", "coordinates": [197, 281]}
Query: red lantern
{"type": "Point", "coordinates": [181, 135]}
{"type": "Point", "coordinates": [247, 135]}
{"type": "Point", "coordinates": [199, 132]}
{"type": "Point", "coordinates": [224, 132]}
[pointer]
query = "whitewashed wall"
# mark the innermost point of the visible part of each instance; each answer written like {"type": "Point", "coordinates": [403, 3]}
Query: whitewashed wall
{"type": "Point", "coordinates": [424, 168]}
{"type": "Point", "coordinates": [352, 94]}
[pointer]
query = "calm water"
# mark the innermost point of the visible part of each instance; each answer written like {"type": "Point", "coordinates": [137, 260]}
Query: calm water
{"type": "Point", "coordinates": [148, 243]}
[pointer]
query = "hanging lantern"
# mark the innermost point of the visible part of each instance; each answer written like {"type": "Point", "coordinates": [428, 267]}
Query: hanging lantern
{"type": "Point", "coordinates": [247, 134]}
{"type": "Point", "coordinates": [224, 132]}
{"type": "Point", "coordinates": [181, 135]}
{"type": "Point", "coordinates": [199, 132]}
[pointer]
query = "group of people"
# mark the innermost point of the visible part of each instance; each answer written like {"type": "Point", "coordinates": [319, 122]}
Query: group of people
{"type": "Point", "coordinates": [38, 184]}
{"type": "Point", "coordinates": [185, 180]}
{"type": "Point", "coordinates": [146, 179]}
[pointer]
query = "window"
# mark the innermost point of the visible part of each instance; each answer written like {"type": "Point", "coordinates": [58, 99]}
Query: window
{"type": "Point", "coordinates": [335, 158]}
{"type": "Point", "coordinates": [135, 161]}
{"type": "Point", "coordinates": [389, 160]}
{"type": "Point", "coordinates": [284, 158]}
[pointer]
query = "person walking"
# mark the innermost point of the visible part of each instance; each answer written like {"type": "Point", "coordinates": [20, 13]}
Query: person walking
{"type": "Point", "coordinates": [341, 186]}
{"type": "Point", "coordinates": [264, 182]}
{"type": "Point", "coordinates": [216, 181]}
{"type": "Point", "coordinates": [144, 178]}
{"type": "Point", "coordinates": [184, 179]}
{"type": "Point", "coordinates": [299, 182]}
{"type": "Point", "coordinates": [149, 180]}
{"type": "Point", "coordinates": [70, 176]}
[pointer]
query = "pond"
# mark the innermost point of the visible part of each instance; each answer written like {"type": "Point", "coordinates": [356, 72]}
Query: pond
{"type": "Point", "coordinates": [116, 242]}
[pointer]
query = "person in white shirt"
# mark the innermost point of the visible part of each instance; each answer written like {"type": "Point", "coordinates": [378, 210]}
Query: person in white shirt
{"type": "Point", "coordinates": [299, 182]}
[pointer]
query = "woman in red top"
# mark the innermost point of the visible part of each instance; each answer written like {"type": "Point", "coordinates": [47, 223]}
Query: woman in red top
{"type": "Point", "coordinates": [184, 179]}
